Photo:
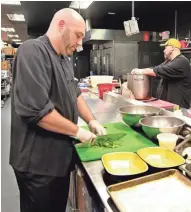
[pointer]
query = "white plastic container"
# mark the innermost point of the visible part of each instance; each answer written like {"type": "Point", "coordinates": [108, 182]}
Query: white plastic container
{"type": "Point", "coordinates": [100, 79]}
{"type": "Point", "coordinates": [167, 140]}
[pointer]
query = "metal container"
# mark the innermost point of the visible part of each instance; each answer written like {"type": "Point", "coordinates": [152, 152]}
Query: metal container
{"type": "Point", "coordinates": [154, 125]}
{"type": "Point", "coordinates": [163, 191]}
{"type": "Point", "coordinates": [139, 84]}
{"type": "Point", "coordinates": [186, 168]}
{"type": "Point", "coordinates": [131, 114]}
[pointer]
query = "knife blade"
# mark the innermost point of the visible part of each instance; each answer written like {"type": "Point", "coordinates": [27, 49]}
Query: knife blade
{"type": "Point", "coordinates": [110, 137]}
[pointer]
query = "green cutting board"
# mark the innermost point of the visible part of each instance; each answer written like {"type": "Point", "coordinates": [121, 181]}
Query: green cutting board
{"type": "Point", "coordinates": [129, 143]}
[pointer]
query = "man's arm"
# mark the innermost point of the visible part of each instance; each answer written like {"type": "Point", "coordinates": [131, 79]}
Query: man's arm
{"type": "Point", "coordinates": [84, 110]}
{"type": "Point", "coordinates": [88, 117]}
{"type": "Point", "coordinates": [56, 123]}
{"type": "Point", "coordinates": [146, 71]}
{"type": "Point", "coordinates": [177, 69]}
{"type": "Point", "coordinates": [149, 71]}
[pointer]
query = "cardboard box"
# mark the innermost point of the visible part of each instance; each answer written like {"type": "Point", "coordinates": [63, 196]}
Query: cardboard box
{"type": "Point", "coordinates": [8, 50]}
{"type": "Point", "coordinates": [4, 65]}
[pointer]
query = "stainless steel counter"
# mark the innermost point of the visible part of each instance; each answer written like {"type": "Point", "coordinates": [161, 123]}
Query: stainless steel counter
{"type": "Point", "coordinates": [115, 98]}
{"type": "Point", "coordinates": [105, 111]}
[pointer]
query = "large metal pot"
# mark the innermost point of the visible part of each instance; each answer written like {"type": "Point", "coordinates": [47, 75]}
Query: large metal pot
{"type": "Point", "coordinates": [154, 125]}
{"type": "Point", "coordinates": [131, 114]}
{"type": "Point", "coordinates": [139, 84]}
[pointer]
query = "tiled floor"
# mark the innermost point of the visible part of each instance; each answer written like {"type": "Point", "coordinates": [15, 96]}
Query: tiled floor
{"type": "Point", "coordinates": [9, 189]}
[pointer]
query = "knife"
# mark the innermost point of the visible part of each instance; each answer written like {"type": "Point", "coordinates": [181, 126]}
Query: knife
{"type": "Point", "coordinates": [102, 138]}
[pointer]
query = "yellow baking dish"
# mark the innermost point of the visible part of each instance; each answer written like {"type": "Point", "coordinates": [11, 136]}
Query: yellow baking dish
{"type": "Point", "coordinates": [160, 157]}
{"type": "Point", "coordinates": [123, 163]}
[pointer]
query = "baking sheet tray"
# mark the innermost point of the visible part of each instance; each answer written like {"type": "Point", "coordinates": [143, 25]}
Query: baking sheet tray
{"type": "Point", "coordinates": [160, 157]}
{"type": "Point", "coordinates": [167, 191]}
{"type": "Point", "coordinates": [123, 163]}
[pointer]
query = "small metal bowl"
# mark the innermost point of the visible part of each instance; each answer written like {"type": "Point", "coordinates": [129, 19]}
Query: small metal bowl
{"type": "Point", "coordinates": [154, 125]}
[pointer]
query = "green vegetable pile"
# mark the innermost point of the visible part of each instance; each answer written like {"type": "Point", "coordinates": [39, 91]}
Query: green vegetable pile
{"type": "Point", "coordinates": [109, 141]}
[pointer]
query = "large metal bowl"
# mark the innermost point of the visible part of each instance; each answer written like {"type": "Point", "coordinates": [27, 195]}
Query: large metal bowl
{"type": "Point", "coordinates": [154, 125]}
{"type": "Point", "coordinates": [131, 114]}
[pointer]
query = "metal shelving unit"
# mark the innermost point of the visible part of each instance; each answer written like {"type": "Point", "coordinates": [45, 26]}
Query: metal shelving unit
{"type": "Point", "coordinates": [5, 85]}
{"type": "Point", "coordinates": [187, 50]}
{"type": "Point", "coordinates": [6, 78]}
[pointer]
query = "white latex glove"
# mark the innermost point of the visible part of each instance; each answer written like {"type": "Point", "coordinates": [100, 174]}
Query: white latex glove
{"type": "Point", "coordinates": [85, 135]}
{"type": "Point", "coordinates": [97, 128]}
{"type": "Point", "coordinates": [137, 71]}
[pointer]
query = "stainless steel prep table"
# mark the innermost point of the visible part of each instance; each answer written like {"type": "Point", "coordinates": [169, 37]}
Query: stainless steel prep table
{"type": "Point", "coordinates": [105, 111]}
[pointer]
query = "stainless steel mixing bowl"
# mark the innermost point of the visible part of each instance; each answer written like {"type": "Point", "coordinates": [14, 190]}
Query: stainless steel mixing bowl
{"type": "Point", "coordinates": [154, 125]}
{"type": "Point", "coordinates": [131, 114]}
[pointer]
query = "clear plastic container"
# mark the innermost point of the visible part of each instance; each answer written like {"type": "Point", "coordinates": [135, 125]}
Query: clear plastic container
{"type": "Point", "coordinates": [167, 140]}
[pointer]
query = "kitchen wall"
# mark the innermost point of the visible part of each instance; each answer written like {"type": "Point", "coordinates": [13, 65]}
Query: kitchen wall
{"type": "Point", "coordinates": [81, 62]}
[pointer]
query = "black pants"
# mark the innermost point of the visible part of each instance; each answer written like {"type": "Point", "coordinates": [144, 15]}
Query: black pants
{"type": "Point", "coordinates": [42, 193]}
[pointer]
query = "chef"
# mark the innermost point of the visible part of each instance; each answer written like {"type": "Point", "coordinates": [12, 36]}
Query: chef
{"type": "Point", "coordinates": [45, 108]}
{"type": "Point", "coordinates": [175, 75]}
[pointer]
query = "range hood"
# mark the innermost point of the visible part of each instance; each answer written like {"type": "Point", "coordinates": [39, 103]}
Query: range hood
{"type": "Point", "coordinates": [94, 36]}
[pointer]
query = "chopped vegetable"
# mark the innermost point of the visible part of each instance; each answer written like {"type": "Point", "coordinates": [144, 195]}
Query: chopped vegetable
{"type": "Point", "coordinates": [109, 141]}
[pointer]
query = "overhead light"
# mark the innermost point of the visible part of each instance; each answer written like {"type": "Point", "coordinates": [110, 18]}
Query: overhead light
{"type": "Point", "coordinates": [11, 2]}
{"type": "Point", "coordinates": [111, 13]}
{"type": "Point", "coordinates": [7, 29]}
{"type": "Point", "coordinates": [15, 40]}
{"type": "Point", "coordinates": [80, 4]}
{"type": "Point", "coordinates": [13, 36]}
{"type": "Point", "coordinates": [19, 43]}
{"type": "Point", "coordinates": [16, 17]}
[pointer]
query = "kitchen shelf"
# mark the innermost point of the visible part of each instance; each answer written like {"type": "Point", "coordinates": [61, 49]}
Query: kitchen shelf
{"type": "Point", "coordinates": [186, 49]}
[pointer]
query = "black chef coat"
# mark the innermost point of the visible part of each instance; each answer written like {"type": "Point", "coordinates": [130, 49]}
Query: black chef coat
{"type": "Point", "coordinates": [42, 81]}
{"type": "Point", "coordinates": [176, 81]}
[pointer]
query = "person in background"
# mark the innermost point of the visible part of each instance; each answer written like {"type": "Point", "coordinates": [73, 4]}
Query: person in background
{"type": "Point", "coordinates": [45, 108]}
{"type": "Point", "coordinates": [175, 74]}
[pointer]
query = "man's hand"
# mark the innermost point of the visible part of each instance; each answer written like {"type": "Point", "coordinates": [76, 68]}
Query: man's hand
{"type": "Point", "coordinates": [137, 71]}
{"type": "Point", "coordinates": [85, 135]}
{"type": "Point", "coordinates": [97, 128]}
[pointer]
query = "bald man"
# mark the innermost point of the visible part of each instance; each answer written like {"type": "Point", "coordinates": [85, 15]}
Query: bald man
{"type": "Point", "coordinates": [45, 108]}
